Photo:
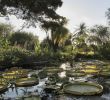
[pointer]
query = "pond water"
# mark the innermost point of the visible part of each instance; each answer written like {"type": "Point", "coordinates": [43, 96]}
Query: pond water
{"type": "Point", "coordinates": [19, 93]}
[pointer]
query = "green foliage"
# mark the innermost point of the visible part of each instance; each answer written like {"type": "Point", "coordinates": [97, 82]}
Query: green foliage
{"type": "Point", "coordinates": [104, 50]}
{"type": "Point", "coordinates": [24, 40]}
{"type": "Point", "coordinates": [32, 10]}
{"type": "Point", "coordinates": [80, 31]}
{"type": "Point", "coordinates": [101, 33]}
{"type": "Point", "coordinates": [46, 47]}
{"type": "Point", "coordinates": [58, 35]}
{"type": "Point", "coordinates": [4, 43]}
{"type": "Point", "coordinates": [13, 56]}
{"type": "Point", "coordinates": [38, 48]}
{"type": "Point", "coordinates": [5, 30]}
{"type": "Point", "coordinates": [91, 43]}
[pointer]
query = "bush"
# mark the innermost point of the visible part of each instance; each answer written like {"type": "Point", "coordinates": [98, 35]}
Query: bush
{"type": "Point", "coordinates": [104, 51]}
{"type": "Point", "coordinates": [14, 56]}
{"type": "Point", "coordinates": [24, 40]}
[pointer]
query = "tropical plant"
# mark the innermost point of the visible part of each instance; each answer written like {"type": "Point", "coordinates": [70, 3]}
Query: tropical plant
{"type": "Point", "coordinates": [101, 33]}
{"type": "Point", "coordinates": [57, 33]}
{"type": "Point", "coordinates": [38, 48]}
{"type": "Point", "coordinates": [104, 50]}
{"type": "Point", "coordinates": [4, 43]}
{"type": "Point", "coordinates": [79, 38]}
{"type": "Point", "coordinates": [5, 30]}
{"type": "Point", "coordinates": [99, 37]}
{"type": "Point", "coordinates": [58, 37]}
{"type": "Point", "coordinates": [81, 30]}
{"type": "Point", "coordinates": [14, 56]}
{"type": "Point", "coordinates": [24, 40]}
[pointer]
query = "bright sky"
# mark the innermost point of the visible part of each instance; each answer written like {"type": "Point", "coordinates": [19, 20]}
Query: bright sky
{"type": "Point", "coordinates": [89, 11]}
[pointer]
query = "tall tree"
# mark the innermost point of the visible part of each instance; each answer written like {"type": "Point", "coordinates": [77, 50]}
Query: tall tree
{"type": "Point", "coordinates": [108, 15]}
{"type": "Point", "coordinates": [23, 39]}
{"type": "Point", "coordinates": [99, 37]}
{"type": "Point", "coordinates": [59, 36]}
{"type": "Point", "coordinates": [32, 11]}
{"type": "Point", "coordinates": [79, 37]}
{"type": "Point", "coordinates": [81, 30]}
{"type": "Point", "coordinates": [5, 30]}
{"type": "Point", "coordinates": [100, 34]}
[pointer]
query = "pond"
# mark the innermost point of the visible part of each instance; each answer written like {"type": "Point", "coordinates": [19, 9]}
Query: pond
{"type": "Point", "coordinates": [39, 92]}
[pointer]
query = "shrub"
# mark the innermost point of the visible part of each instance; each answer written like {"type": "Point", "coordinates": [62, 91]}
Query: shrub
{"type": "Point", "coordinates": [24, 40]}
{"type": "Point", "coordinates": [14, 56]}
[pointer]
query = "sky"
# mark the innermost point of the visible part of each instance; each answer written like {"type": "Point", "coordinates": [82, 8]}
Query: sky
{"type": "Point", "coordinates": [91, 12]}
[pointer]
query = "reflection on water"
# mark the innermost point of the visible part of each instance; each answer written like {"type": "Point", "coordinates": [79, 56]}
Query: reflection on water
{"type": "Point", "coordinates": [62, 74]}
{"type": "Point", "coordinates": [17, 92]}
{"type": "Point", "coordinates": [65, 66]}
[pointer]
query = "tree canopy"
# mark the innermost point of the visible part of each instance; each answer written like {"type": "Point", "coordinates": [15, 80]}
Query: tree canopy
{"type": "Point", "coordinates": [23, 39]}
{"type": "Point", "coordinates": [32, 11]}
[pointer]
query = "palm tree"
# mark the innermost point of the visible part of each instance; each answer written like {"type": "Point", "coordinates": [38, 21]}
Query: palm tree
{"type": "Point", "coordinates": [59, 36]}
{"type": "Point", "coordinates": [99, 36]}
{"type": "Point", "coordinates": [100, 32]}
{"type": "Point", "coordinates": [81, 30]}
{"type": "Point", "coordinates": [93, 41]}
{"type": "Point", "coordinates": [79, 38]}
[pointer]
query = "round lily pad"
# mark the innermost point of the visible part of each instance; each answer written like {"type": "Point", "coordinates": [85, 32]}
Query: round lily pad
{"type": "Point", "coordinates": [90, 71]}
{"type": "Point", "coordinates": [33, 98]}
{"type": "Point", "coordinates": [52, 70]}
{"type": "Point", "coordinates": [75, 74]}
{"type": "Point", "coordinates": [83, 88]}
{"type": "Point", "coordinates": [3, 87]}
{"type": "Point", "coordinates": [22, 82]}
{"type": "Point", "coordinates": [104, 73]}
{"type": "Point", "coordinates": [51, 88]}
{"type": "Point", "coordinates": [14, 74]}
{"type": "Point", "coordinates": [91, 67]}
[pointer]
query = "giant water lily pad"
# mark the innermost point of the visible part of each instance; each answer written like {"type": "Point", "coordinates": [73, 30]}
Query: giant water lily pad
{"type": "Point", "coordinates": [90, 71]}
{"type": "Point", "coordinates": [33, 98]}
{"type": "Point", "coordinates": [22, 82]}
{"type": "Point", "coordinates": [74, 74]}
{"type": "Point", "coordinates": [3, 87]}
{"type": "Point", "coordinates": [104, 73]}
{"type": "Point", "coordinates": [14, 74]}
{"type": "Point", "coordinates": [51, 88]}
{"type": "Point", "coordinates": [90, 67]}
{"type": "Point", "coordinates": [107, 82]}
{"type": "Point", "coordinates": [105, 70]}
{"type": "Point", "coordinates": [52, 70]}
{"type": "Point", "coordinates": [3, 81]}
{"type": "Point", "coordinates": [83, 88]}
